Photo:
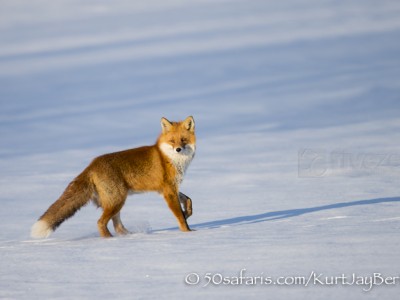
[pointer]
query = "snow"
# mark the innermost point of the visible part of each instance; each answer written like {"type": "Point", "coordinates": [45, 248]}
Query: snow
{"type": "Point", "coordinates": [297, 161]}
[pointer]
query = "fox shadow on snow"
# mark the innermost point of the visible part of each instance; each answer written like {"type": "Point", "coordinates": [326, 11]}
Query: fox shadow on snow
{"type": "Point", "coordinates": [275, 215]}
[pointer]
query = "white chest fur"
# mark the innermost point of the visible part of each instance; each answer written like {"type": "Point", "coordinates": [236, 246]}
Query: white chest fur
{"type": "Point", "coordinates": [180, 160]}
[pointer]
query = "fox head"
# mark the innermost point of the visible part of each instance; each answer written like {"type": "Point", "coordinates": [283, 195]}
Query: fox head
{"type": "Point", "coordinates": [178, 139]}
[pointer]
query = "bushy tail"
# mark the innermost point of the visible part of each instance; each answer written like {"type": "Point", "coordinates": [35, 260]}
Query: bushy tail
{"type": "Point", "coordinates": [76, 195]}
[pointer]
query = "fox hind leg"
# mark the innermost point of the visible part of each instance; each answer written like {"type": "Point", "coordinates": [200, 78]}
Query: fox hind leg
{"type": "Point", "coordinates": [111, 196]}
{"type": "Point", "coordinates": [118, 226]}
{"type": "Point", "coordinates": [103, 221]}
{"type": "Point", "coordinates": [111, 205]}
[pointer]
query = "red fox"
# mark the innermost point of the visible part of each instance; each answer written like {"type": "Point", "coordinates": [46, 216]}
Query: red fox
{"type": "Point", "coordinates": [109, 179]}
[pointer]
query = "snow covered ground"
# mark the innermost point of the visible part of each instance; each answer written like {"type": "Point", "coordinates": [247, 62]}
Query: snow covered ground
{"type": "Point", "coordinates": [297, 173]}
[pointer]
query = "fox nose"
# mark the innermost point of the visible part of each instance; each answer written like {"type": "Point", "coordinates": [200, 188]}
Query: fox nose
{"type": "Point", "coordinates": [178, 150]}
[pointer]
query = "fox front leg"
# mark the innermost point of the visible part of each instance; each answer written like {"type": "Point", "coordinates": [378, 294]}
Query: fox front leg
{"type": "Point", "coordinates": [187, 205]}
{"type": "Point", "coordinates": [172, 199]}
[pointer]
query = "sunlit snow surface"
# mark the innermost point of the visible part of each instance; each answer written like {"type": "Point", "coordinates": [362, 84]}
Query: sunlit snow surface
{"type": "Point", "coordinates": [297, 170]}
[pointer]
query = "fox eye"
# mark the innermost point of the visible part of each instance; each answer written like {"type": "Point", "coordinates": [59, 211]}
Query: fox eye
{"type": "Point", "coordinates": [172, 141]}
{"type": "Point", "coordinates": [183, 140]}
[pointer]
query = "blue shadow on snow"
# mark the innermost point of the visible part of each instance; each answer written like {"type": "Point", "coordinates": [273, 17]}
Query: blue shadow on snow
{"type": "Point", "coordinates": [251, 219]}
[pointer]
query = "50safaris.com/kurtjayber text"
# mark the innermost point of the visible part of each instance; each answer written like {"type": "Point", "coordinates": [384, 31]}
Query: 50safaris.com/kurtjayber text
{"type": "Point", "coordinates": [313, 279]}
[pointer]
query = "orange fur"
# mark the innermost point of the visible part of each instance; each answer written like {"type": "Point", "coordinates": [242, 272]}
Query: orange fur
{"type": "Point", "coordinates": [111, 177]}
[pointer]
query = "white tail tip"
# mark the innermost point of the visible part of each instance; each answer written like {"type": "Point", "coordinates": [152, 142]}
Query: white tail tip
{"type": "Point", "coordinates": [41, 230]}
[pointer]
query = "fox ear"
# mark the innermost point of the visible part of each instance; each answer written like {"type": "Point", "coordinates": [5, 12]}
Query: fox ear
{"type": "Point", "coordinates": [189, 124]}
{"type": "Point", "coordinates": [165, 125]}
